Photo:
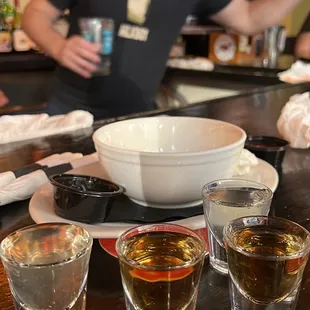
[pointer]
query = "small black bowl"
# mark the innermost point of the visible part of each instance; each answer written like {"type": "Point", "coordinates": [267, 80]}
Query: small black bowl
{"type": "Point", "coordinates": [83, 198]}
{"type": "Point", "coordinates": [270, 149]}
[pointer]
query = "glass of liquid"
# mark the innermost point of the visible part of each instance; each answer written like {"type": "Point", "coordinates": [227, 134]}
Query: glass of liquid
{"type": "Point", "coordinates": [47, 266]}
{"type": "Point", "coordinates": [266, 260]}
{"type": "Point", "coordinates": [226, 200]}
{"type": "Point", "coordinates": [100, 30]}
{"type": "Point", "coordinates": [160, 267]}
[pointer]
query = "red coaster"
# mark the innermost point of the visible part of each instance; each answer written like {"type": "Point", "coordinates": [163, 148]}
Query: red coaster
{"type": "Point", "coordinates": [109, 244]}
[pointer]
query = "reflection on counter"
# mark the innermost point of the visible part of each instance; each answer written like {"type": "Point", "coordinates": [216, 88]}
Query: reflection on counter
{"type": "Point", "coordinates": [196, 93]}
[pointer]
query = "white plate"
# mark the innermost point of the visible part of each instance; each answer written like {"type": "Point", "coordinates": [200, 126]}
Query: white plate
{"type": "Point", "coordinates": [41, 204]}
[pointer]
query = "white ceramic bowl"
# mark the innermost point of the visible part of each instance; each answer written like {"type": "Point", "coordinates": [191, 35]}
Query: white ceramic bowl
{"type": "Point", "coordinates": [165, 161]}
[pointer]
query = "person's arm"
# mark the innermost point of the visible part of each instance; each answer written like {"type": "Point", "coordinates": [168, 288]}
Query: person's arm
{"type": "Point", "coordinates": [74, 53]}
{"type": "Point", "coordinates": [251, 17]}
{"type": "Point", "coordinates": [302, 48]}
{"type": "Point", "coordinates": [3, 99]}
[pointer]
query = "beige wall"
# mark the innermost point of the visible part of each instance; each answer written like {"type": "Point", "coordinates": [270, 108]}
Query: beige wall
{"type": "Point", "coordinates": [294, 21]}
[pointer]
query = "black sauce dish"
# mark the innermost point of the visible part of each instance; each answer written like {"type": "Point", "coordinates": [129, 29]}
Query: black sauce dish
{"type": "Point", "coordinates": [270, 149]}
{"type": "Point", "coordinates": [83, 198]}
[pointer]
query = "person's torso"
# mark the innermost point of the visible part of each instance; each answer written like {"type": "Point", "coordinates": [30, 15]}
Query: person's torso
{"type": "Point", "coordinates": [141, 46]}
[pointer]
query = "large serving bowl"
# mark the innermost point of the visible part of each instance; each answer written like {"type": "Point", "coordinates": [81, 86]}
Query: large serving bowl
{"type": "Point", "coordinates": [165, 161]}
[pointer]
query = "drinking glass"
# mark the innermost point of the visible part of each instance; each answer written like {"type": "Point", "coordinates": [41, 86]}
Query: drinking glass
{"type": "Point", "coordinates": [47, 266]}
{"type": "Point", "coordinates": [266, 261]}
{"type": "Point", "coordinates": [226, 200]}
{"type": "Point", "coordinates": [100, 30]}
{"type": "Point", "coordinates": [160, 267]}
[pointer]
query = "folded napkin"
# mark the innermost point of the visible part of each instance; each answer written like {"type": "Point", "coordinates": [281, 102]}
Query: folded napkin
{"type": "Point", "coordinates": [294, 121]}
{"type": "Point", "coordinates": [23, 127]}
{"type": "Point", "coordinates": [25, 186]}
{"type": "Point", "coordinates": [298, 73]}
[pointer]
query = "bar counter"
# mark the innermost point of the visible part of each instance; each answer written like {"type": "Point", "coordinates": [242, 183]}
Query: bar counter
{"type": "Point", "coordinates": [28, 84]}
{"type": "Point", "coordinates": [256, 112]}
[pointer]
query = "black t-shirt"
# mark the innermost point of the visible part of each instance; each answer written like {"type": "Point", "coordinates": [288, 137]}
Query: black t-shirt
{"type": "Point", "coordinates": [137, 66]}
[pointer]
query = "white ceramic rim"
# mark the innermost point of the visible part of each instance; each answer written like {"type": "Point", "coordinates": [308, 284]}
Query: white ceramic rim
{"type": "Point", "coordinates": [181, 154]}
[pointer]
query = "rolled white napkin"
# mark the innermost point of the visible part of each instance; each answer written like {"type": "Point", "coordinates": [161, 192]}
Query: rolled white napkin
{"type": "Point", "coordinates": [6, 178]}
{"type": "Point", "coordinates": [298, 73]}
{"type": "Point", "coordinates": [294, 121]}
{"type": "Point", "coordinates": [23, 127]}
{"type": "Point", "coordinates": [195, 63]}
{"type": "Point", "coordinates": [58, 159]}
{"type": "Point", "coordinates": [25, 186]}
{"type": "Point", "coordinates": [50, 161]}
{"type": "Point", "coordinates": [246, 161]}
{"type": "Point", "coordinates": [85, 160]}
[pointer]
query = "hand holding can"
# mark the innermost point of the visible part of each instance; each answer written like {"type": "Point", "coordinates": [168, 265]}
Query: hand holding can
{"type": "Point", "coordinates": [100, 31]}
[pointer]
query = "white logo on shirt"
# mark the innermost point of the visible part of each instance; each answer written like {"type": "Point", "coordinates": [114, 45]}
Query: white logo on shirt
{"type": "Point", "coordinates": [133, 32]}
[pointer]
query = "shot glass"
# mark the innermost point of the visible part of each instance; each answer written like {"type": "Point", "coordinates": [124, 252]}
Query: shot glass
{"type": "Point", "coordinates": [226, 200]}
{"type": "Point", "coordinates": [160, 266]}
{"type": "Point", "coordinates": [266, 261]}
{"type": "Point", "coordinates": [47, 266]}
{"type": "Point", "coordinates": [100, 30]}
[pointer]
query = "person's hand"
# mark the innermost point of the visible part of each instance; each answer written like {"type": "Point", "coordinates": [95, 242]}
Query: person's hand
{"type": "Point", "coordinates": [79, 55]}
{"type": "Point", "coordinates": [3, 99]}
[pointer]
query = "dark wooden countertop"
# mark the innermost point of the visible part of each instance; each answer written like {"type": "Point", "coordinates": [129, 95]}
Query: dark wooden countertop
{"type": "Point", "coordinates": [256, 112]}
{"type": "Point", "coordinates": [29, 89]}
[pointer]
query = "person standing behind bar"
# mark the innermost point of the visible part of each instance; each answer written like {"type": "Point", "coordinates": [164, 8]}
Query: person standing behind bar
{"type": "Point", "coordinates": [302, 49]}
{"type": "Point", "coordinates": [145, 31]}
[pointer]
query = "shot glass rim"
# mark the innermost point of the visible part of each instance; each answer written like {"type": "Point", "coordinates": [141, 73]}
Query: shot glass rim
{"type": "Point", "coordinates": [82, 252]}
{"type": "Point", "coordinates": [228, 239]}
{"type": "Point", "coordinates": [94, 17]}
{"type": "Point", "coordinates": [259, 185]}
{"type": "Point", "coordinates": [90, 18]}
{"type": "Point", "coordinates": [144, 228]}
